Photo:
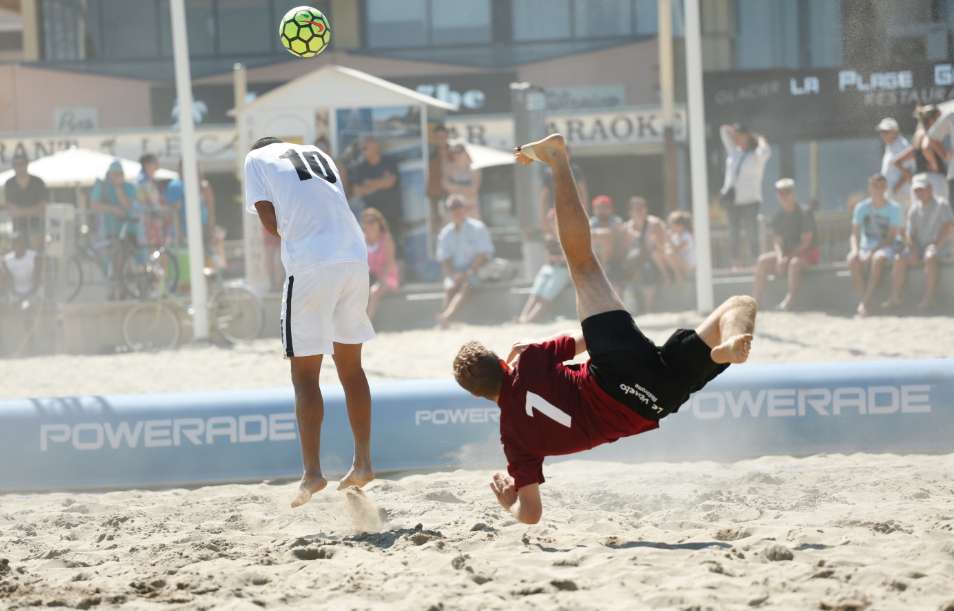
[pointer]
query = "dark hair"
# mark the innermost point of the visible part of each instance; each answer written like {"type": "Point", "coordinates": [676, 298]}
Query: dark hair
{"type": "Point", "coordinates": [878, 176]}
{"type": "Point", "coordinates": [478, 371]}
{"type": "Point", "coordinates": [148, 158]}
{"type": "Point", "coordinates": [440, 127]}
{"type": "Point", "coordinates": [265, 142]}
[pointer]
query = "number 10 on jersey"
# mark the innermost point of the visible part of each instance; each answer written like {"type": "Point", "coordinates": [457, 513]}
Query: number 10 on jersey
{"type": "Point", "coordinates": [317, 165]}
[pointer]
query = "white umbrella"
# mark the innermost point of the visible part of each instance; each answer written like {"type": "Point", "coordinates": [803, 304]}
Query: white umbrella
{"type": "Point", "coordinates": [81, 168]}
{"type": "Point", "coordinates": [484, 156]}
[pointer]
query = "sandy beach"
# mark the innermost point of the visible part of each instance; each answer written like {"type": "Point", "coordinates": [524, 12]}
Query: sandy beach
{"type": "Point", "coordinates": [824, 532]}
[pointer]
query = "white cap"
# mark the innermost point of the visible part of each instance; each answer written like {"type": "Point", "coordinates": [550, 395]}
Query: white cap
{"type": "Point", "coordinates": [888, 124]}
{"type": "Point", "coordinates": [920, 181]}
{"type": "Point", "coordinates": [784, 184]}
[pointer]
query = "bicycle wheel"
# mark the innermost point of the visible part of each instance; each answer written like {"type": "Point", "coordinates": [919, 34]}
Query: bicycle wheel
{"type": "Point", "coordinates": [150, 274]}
{"type": "Point", "coordinates": [74, 280]}
{"type": "Point", "coordinates": [236, 313]}
{"type": "Point", "coordinates": [151, 326]}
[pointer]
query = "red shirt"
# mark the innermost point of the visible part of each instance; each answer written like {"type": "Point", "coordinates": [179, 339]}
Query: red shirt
{"type": "Point", "coordinates": [548, 408]}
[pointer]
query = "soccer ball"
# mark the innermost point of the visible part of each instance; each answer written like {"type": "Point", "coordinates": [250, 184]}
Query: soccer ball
{"type": "Point", "coordinates": [305, 31]}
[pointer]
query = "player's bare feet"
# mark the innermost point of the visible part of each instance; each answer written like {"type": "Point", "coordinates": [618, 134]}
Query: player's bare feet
{"type": "Point", "coordinates": [733, 350]}
{"type": "Point", "coordinates": [357, 477]}
{"type": "Point", "coordinates": [862, 311]}
{"type": "Point", "coordinates": [310, 484]}
{"type": "Point", "coordinates": [786, 304]}
{"type": "Point", "coordinates": [546, 151]}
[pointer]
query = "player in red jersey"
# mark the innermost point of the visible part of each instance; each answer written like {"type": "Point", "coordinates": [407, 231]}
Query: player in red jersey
{"type": "Point", "coordinates": [628, 385]}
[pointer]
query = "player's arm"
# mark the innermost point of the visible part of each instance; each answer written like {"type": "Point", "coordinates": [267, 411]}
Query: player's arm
{"type": "Point", "coordinates": [520, 346]}
{"type": "Point", "coordinates": [524, 504]}
{"type": "Point", "coordinates": [266, 214]}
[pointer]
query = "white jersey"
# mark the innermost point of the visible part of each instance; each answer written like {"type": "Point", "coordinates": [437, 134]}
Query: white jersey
{"type": "Point", "coordinates": [21, 270]}
{"type": "Point", "coordinates": [315, 222]}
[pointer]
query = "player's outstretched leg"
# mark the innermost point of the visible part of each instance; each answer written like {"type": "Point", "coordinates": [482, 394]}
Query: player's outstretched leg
{"type": "Point", "coordinates": [594, 293]}
{"type": "Point", "coordinates": [310, 411]}
{"type": "Point", "coordinates": [728, 330]}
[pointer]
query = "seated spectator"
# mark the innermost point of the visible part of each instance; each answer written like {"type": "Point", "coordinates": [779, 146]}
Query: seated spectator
{"type": "Point", "coordinates": [794, 238]}
{"type": "Point", "coordinates": [463, 247]}
{"type": "Point", "coordinates": [382, 261]}
{"type": "Point", "coordinates": [460, 179]}
{"type": "Point", "coordinates": [121, 217]}
{"type": "Point", "coordinates": [644, 237]}
{"type": "Point", "coordinates": [929, 231]}
{"type": "Point", "coordinates": [20, 270]}
{"type": "Point", "coordinates": [875, 226]}
{"type": "Point", "coordinates": [552, 278]}
{"type": "Point", "coordinates": [680, 248]}
{"type": "Point", "coordinates": [26, 196]}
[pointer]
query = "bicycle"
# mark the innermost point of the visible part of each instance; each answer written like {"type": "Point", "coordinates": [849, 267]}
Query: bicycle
{"type": "Point", "coordinates": [235, 314]}
{"type": "Point", "coordinates": [147, 271]}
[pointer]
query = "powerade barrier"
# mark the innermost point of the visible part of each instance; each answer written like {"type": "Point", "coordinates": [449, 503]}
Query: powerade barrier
{"type": "Point", "coordinates": [203, 438]}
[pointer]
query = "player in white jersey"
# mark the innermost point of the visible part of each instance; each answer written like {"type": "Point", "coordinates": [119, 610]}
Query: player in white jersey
{"type": "Point", "coordinates": [296, 192]}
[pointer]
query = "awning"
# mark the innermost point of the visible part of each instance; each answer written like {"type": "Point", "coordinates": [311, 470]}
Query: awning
{"type": "Point", "coordinates": [81, 168]}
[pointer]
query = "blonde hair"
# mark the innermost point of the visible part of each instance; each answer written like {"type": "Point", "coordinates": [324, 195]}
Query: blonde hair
{"type": "Point", "coordinates": [374, 215]}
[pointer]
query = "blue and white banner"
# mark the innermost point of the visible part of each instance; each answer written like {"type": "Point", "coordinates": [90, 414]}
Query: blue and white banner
{"type": "Point", "coordinates": [199, 438]}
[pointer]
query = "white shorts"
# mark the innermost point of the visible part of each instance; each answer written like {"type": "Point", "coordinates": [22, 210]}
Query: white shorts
{"type": "Point", "coordinates": [325, 305]}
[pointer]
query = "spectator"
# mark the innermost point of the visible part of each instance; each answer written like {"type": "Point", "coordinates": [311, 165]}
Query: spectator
{"type": "Point", "coordinates": [382, 261]}
{"type": "Point", "coordinates": [681, 248]}
{"type": "Point", "coordinates": [645, 240]}
{"type": "Point", "coordinates": [158, 222]}
{"type": "Point", "coordinates": [607, 238]}
{"type": "Point", "coordinates": [463, 247]}
{"type": "Point", "coordinates": [894, 145]}
{"type": "Point", "coordinates": [20, 270]}
{"type": "Point", "coordinates": [547, 195]}
{"type": "Point", "coordinates": [941, 142]}
{"type": "Point", "coordinates": [375, 181]}
{"type": "Point", "coordinates": [925, 161]}
{"type": "Point", "coordinates": [875, 226]}
{"type": "Point", "coordinates": [439, 159]}
{"type": "Point", "coordinates": [795, 249]}
{"type": "Point", "coordinates": [121, 217]}
{"type": "Point", "coordinates": [26, 196]}
{"type": "Point", "coordinates": [929, 229]}
{"type": "Point", "coordinates": [213, 235]}
{"type": "Point", "coordinates": [461, 179]}
{"type": "Point", "coordinates": [741, 193]}
{"type": "Point", "coordinates": [552, 278]}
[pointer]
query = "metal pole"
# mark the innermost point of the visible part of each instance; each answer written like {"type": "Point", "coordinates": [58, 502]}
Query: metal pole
{"type": "Point", "coordinates": [697, 156]}
{"type": "Point", "coordinates": [190, 178]}
{"type": "Point", "coordinates": [253, 244]}
{"type": "Point", "coordinates": [666, 94]}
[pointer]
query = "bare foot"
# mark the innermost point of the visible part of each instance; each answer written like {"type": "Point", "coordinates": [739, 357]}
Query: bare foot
{"type": "Point", "coordinates": [733, 350]}
{"type": "Point", "coordinates": [357, 477]}
{"type": "Point", "coordinates": [547, 150]}
{"type": "Point", "coordinates": [786, 304]}
{"type": "Point", "coordinates": [862, 310]}
{"type": "Point", "coordinates": [310, 484]}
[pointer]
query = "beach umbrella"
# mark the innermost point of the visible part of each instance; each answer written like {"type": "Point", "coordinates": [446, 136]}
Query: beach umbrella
{"type": "Point", "coordinates": [77, 167]}
{"type": "Point", "coordinates": [484, 156]}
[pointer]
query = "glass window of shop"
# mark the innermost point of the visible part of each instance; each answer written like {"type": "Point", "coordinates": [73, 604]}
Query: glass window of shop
{"type": "Point", "coordinates": [779, 33]}
{"type": "Point", "coordinates": [421, 23]}
{"type": "Point", "coordinates": [537, 20]}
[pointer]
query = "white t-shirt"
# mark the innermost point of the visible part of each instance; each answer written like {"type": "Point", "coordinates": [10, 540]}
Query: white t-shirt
{"type": "Point", "coordinates": [21, 270]}
{"type": "Point", "coordinates": [316, 224]}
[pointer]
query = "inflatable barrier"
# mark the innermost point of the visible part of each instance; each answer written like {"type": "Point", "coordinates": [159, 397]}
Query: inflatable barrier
{"type": "Point", "coordinates": [201, 438]}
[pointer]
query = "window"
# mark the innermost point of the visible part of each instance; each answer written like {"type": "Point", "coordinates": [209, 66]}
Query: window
{"type": "Point", "coordinates": [603, 18]}
{"type": "Point", "coordinates": [454, 22]}
{"type": "Point", "coordinates": [541, 19]}
{"type": "Point", "coordinates": [62, 29]}
{"type": "Point", "coordinates": [245, 28]}
{"type": "Point", "coordinates": [397, 24]}
{"type": "Point", "coordinates": [123, 29]}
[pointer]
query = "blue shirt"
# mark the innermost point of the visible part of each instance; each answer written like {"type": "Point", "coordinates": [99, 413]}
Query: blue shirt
{"type": "Point", "coordinates": [106, 192]}
{"type": "Point", "coordinates": [461, 245]}
{"type": "Point", "coordinates": [175, 195]}
{"type": "Point", "coordinates": [876, 223]}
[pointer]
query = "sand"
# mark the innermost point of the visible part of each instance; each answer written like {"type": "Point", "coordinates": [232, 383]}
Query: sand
{"type": "Point", "coordinates": [824, 532]}
{"type": "Point", "coordinates": [827, 532]}
{"type": "Point", "coordinates": [781, 337]}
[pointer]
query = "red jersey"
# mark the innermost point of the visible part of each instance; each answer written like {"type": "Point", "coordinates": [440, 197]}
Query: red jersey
{"type": "Point", "coordinates": [548, 408]}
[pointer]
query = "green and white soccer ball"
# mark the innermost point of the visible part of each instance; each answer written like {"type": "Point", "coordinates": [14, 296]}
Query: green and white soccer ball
{"type": "Point", "coordinates": [305, 31]}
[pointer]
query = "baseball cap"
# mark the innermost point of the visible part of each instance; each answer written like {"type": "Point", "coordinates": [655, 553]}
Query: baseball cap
{"type": "Point", "coordinates": [784, 184]}
{"type": "Point", "coordinates": [888, 124]}
{"type": "Point", "coordinates": [115, 166]}
{"type": "Point", "coordinates": [602, 200]}
{"type": "Point", "coordinates": [920, 181]}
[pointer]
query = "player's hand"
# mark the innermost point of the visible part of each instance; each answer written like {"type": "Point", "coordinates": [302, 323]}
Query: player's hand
{"type": "Point", "coordinates": [504, 489]}
{"type": "Point", "coordinates": [517, 349]}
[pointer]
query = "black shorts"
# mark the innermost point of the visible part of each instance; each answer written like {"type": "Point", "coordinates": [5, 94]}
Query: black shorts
{"type": "Point", "coordinates": [653, 381]}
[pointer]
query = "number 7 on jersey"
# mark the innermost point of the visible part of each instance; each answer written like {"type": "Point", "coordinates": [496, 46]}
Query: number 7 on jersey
{"type": "Point", "coordinates": [535, 401]}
